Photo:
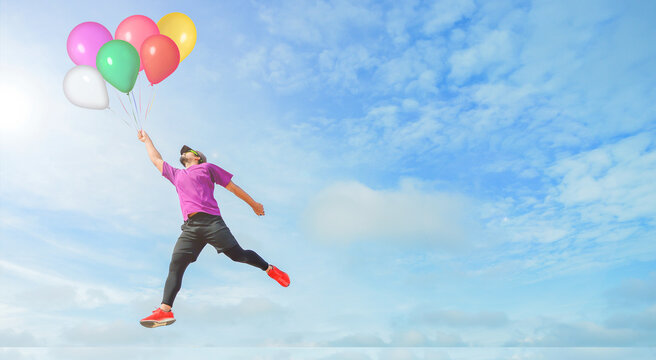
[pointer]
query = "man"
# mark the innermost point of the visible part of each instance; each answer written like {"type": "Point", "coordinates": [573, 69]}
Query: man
{"type": "Point", "coordinates": [203, 223]}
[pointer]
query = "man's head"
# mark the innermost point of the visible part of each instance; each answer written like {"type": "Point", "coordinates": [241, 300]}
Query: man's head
{"type": "Point", "coordinates": [189, 157]}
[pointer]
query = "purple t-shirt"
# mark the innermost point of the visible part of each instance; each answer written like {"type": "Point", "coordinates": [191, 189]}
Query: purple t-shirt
{"type": "Point", "coordinates": [195, 186]}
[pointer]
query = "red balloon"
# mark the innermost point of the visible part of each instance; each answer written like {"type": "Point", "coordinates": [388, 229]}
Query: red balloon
{"type": "Point", "coordinates": [160, 56]}
{"type": "Point", "coordinates": [135, 29]}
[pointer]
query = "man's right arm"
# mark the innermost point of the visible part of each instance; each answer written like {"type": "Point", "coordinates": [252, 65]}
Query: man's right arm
{"type": "Point", "coordinates": [154, 155]}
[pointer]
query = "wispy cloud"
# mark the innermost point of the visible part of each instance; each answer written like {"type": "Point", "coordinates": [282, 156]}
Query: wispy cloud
{"type": "Point", "coordinates": [597, 206]}
{"type": "Point", "coordinates": [319, 23]}
{"type": "Point", "coordinates": [458, 319]}
{"type": "Point", "coordinates": [612, 182]}
{"type": "Point", "coordinates": [589, 334]}
{"type": "Point", "coordinates": [72, 293]}
{"type": "Point", "coordinates": [13, 338]}
{"type": "Point", "coordinates": [444, 14]}
{"type": "Point", "coordinates": [494, 47]}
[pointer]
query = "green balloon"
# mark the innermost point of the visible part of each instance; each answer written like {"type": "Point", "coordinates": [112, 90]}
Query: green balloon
{"type": "Point", "coordinates": [118, 62]}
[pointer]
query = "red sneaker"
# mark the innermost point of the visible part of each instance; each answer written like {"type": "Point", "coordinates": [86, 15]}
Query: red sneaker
{"type": "Point", "coordinates": [278, 275]}
{"type": "Point", "coordinates": [158, 318]}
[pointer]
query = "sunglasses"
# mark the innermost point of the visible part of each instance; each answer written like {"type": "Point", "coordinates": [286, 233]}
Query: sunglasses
{"type": "Point", "coordinates": [193, 152]}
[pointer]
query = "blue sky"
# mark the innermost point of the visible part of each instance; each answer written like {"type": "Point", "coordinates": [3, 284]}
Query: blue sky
{"type": "Point", "coordinates": [442, 180]}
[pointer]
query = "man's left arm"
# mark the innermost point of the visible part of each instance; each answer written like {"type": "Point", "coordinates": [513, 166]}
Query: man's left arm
{"type": "Point", "coordinates": [240, 193]}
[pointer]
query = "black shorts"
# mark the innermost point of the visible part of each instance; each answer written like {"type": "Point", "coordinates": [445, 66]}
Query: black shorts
{"type": "Point", "coordinates": [200, 230]}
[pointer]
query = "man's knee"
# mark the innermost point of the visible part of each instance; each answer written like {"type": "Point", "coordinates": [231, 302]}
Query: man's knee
{"type": "Point", "coordinates": [237, 254]}
{"type": "Point", "coordinates": [181, 260]}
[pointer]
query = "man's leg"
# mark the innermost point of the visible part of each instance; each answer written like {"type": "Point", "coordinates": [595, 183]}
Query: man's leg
{"type": "Point", "coordinates": [236, 253]}
{"type": "Point", "coordinates": [219, 236]}
{"type": "Point", "coordinates": [177, 267]}
{"type": "Point", "coordinates": [186, 251]}
{"type": "Point", "coordinates": [250, 257]}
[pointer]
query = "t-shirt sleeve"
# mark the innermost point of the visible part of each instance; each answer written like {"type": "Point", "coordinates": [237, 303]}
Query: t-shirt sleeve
{"type": "Point", "coordinates": [169, 172]}
{"type": "Point", "coordinates": [219, 176]}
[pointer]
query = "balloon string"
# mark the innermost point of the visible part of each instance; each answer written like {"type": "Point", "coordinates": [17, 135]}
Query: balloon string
{"type": "Point", "coordinates": [151, 103]}
{"type": "Point", "coordinates": [140, 97]}
{"type": "Point", "coordinates": [133, 115]}
{"type": "Point", "coordinates": [121, 101]}
{"type": "Point", "coordinates": [135, 108]}
{"type": "Point", "coordinates": [120, 117]}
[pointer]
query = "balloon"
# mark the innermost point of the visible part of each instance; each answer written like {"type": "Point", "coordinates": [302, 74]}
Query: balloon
{"type": "Point", "coordinates": [135, 29]}
{"type": "Point", "coordinates": [85, 40]}
{"type": "Point", "coordinates": [160, 56]}
{"type": "Point", "coordinates": [118, 62]}
{"type": "Point", "coordinates": [181, 29]}
{"type": "Point", "coordinates": [85, 87]}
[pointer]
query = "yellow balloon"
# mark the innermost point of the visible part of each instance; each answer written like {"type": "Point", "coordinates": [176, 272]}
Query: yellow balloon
{"type": "Point", "coordinates": [181, 29]}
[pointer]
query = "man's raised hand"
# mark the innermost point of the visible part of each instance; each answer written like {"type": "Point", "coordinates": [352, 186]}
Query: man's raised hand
{"type": "Point", "coordinates": [142, 135]}
{"type": "Point", "coordinates": [258, 209]}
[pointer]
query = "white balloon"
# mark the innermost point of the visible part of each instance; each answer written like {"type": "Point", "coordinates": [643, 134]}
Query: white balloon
{"type": "Point", "coordinates": [85, 87]}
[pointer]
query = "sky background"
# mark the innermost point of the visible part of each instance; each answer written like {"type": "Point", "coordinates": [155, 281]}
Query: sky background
{"type": "Point", "coordinates": [441, 180]}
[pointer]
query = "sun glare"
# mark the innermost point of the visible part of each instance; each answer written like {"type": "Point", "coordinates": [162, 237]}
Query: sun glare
{"type": "Point", "coordinates": [15, 108]}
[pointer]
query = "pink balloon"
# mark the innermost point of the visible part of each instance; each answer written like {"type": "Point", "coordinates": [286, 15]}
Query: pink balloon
{"type": "Point", "coordinates": [85, 40]}
{"type": "Point", "coordinates": [135, 29]}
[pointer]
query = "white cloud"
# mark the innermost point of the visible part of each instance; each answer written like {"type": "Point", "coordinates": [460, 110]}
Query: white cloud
{"type": "Point", "coordinates": [409, 338]}
{"type": "Point", "coordinates": [425, 83]}
{"type": "Point", "coordinates": [585, 334]}
{"type": "Point", "coordinates": [443, 14]}
{"type": "Point", "coordinates": [14, 338]}
{"type": "Point", "coordinates": [448, 339]}
{"type": "Point", "coordinates": [400, 69]}
{"type": "Point", "coordinates": [539, 99]}
{"type": "Point", "coordinates": [398, 19]}
{"type": "Point", "coordinates": [252, 310]}
{"type": "Point", "coordinates": [634, 291]}
{"type": "Point", "coordinates": [388, 134]}
{"type": "Point", "coordinates": [42, 302]}
{"type": "Point", "coordinates": [106, 332]}
{"type": "Point", "coordinates": [31, 230]}
{"type": "Point", "coordinates": [351, 211]}
{"type": "Point", "coordinates": [72, 293]}
{"type": "Point", "coordinates": [319, 23]}
{"type": "Point", "coordinates": [252, 64]}
{"type": "Point", "coordinates": [641, 320]}
{"type": "Point", "coordinates": [423, 339]}
{"type": "Point", "coordinates": [595, 212]}
{"type": "Point", "coordinates": [327, 57]}
{"type": "Point", "coordinates": [569, 47]}
{"type": "Point", "coordinates": [462, 319]}
{"type": "Point", "coordinates": [358, 340]}
{"type": "Point", "coordinates": [341, 66]}
{"type": "Point", "coordinates": [612, 182]}
{"type": "Point", "coordinates": [496, 47]}
{"type": "Point", "coordinates": [287, 69]}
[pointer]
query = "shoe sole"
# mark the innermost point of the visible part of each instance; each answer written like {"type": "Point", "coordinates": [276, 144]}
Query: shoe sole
{"type": "Point", "coordinates": [154, 323]}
